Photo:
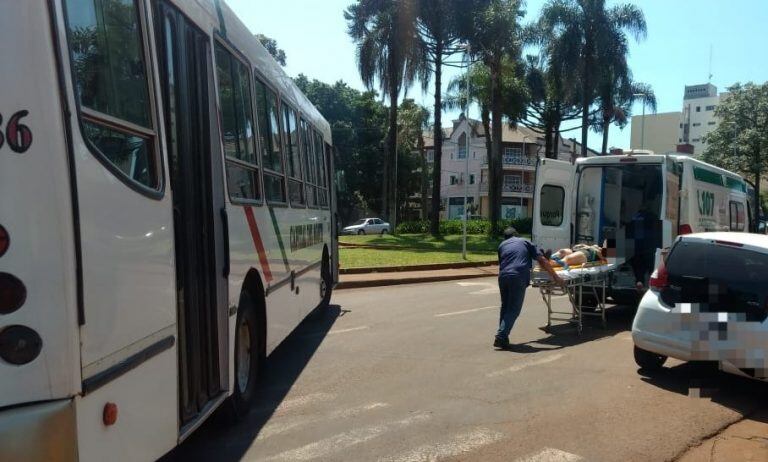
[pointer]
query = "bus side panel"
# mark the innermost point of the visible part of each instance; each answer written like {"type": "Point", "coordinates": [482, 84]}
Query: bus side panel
{"type": "Point", "coordinates": [36, 208]}
{"type": "Point", "coordinates": [147, 416]}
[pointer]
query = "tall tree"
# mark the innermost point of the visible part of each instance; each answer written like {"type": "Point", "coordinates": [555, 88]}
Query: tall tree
{"type": "Point", "coordinates": [271, 45]}
{"type": "Point", "coordinates": [590, 31]}
{"type": "Point", "coordinates": [390, 51]}
{"type": "Point", "coordinates": [616, 103]}
{"type": "Point", "coordinates": [495, 35]}
{"type": "Point", "coordinates": [439, 28]}
{"type": "Point", "coordinates": [413, 121]}
{"type": "Point", "coordinates": [740, 141]}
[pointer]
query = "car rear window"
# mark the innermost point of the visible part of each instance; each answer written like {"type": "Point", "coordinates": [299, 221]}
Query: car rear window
{"type": "Point", "coordinates": [720, 278]}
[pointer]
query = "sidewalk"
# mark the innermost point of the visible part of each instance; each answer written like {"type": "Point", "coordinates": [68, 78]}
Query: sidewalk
{"type": "Point", "coordinates": [745, 441]}
{"type": "Point", "coordinates": [349, 281]}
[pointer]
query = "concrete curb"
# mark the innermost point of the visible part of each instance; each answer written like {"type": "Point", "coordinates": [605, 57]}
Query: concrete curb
{"type": "Point", "coordinates": [415, 280]}
{"type": "Point", "coordinates": [429, 267]}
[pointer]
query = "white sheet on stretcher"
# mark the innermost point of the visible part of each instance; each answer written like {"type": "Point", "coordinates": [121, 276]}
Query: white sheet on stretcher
{"type": "Point", "coordinates": [573, 273]}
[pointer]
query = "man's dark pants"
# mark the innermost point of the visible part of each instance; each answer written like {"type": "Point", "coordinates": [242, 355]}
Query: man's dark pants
{"type": "Point", "coordinates": [512, 290]}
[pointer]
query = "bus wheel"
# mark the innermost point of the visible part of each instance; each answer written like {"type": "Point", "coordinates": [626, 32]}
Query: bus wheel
{"type": "Point", "coordinates": [326, 283]}
{"type": "Point", "coordinates": [247, 358]}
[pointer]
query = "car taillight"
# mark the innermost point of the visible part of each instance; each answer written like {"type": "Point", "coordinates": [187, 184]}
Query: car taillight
{"type": "Point", "coordinates": [5, 241]}
{"type": "Point", "coordinates": [660, 278]}
{"type": "Point", "coordinates": [12, 293]}
{"type": "Point", "coordinates": [684, 229]}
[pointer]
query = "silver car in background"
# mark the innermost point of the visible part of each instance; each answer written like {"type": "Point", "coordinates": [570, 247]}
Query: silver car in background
{"type": "Point", "coordinates": [368, 226]}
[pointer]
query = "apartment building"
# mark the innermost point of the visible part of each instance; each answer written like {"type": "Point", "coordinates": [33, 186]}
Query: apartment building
{"type": "Point", "coordinates": [466, 166]}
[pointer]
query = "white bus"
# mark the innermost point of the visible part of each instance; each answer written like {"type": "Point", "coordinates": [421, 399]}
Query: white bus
{"type": "Point", "coordinates": [166, 220]}
{"type": "Point", "coordinates": [596, 199]}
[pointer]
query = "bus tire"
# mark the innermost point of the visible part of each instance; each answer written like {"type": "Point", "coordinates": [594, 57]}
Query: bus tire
{"type": "Point", "coordinates": [247, 358]}
{"type": "Point", "coordinates": [326, 282]}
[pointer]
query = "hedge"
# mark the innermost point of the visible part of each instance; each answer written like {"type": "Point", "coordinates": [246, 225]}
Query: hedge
{"type": "Point", "coordinates": [448, 227]}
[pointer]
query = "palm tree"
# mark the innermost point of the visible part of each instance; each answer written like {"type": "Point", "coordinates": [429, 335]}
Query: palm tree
{"type": "Point", "coordinates": [590, 31]}
{"type": "Point", "coordinates": [413, 121]}
{"type": "Point", "coordinates": [438, 26]}
{"type": "Point", "coordinates": [390, 51]}
{"type": "Point", "coordinates": [495, 34]}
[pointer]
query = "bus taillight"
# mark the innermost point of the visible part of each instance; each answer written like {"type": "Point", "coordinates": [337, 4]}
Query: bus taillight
{"type": "Point", "coordinates": [12, 293]}
{"type": "Point", "coordinates": [5, 241]}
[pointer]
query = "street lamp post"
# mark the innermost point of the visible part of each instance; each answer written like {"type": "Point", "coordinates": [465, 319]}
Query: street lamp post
{"type": "Point", "coordinates": [466, 162]}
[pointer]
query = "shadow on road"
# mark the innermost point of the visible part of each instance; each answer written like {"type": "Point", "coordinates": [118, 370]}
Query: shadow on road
{"type": "Point", "coordinates": [563, 334]}
{"type": "Point", "coordinates": [219, 440]}
{"type": "Point", "coordinates": [704, 380]}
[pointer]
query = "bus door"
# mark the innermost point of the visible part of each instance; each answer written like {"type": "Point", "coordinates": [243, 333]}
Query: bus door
{"type": "Point", "coordinates": [198, 211]}
{"type": "Point", "coordinates": [553, 204]}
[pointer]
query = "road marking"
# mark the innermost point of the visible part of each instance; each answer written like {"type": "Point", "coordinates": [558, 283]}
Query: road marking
{"type": "Point", "coordinates": [300, 401]}
{"type": "Point", "coordinates": [351, 329]}
{"type": "Point", "coordinates": [277, 428]}
{"type": "Point", "coordinates": [343, 441]}
{"type": "Point", "coordinates": [551, 455]}
{"type": "Point", "coordinates": [454, 313]}
{"type": "Point", "coordinates": [489, 288]}
{"type": "Point", "coordinates": [523, 365]}
{"type": "Point", "coordinates": [458, 445]}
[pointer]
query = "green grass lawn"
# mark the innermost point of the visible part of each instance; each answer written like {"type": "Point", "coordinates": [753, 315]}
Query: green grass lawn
{"type": "Point", "coordinates": [414, 249]}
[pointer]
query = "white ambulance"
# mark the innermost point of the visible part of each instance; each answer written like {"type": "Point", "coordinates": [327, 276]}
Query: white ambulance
{"type": "Point", "coordinates": [602, 199]}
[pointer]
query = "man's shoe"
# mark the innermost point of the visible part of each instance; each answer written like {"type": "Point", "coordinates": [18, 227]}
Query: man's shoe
{"type": "Point", "coordinates": [501, 343]}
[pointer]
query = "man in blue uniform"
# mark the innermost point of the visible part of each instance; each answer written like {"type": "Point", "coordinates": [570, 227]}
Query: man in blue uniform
{"type": "Point", "coordinates": [516, 256]}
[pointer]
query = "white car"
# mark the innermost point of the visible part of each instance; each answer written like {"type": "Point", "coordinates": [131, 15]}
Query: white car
{"type": "Point", "coordinates": [708, 301]}
{"type": "Point", "coordinates": [368, 226]}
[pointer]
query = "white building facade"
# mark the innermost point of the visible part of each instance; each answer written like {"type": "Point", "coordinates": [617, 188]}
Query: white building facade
{"type": "Point", "coordinates": [698, 115]}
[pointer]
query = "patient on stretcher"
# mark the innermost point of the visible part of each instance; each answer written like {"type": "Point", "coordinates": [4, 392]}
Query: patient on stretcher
{"type": "Point", "coordinates": [578, 255]}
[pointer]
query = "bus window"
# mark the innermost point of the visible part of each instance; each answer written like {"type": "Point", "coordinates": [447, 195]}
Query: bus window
{"type": "Point", "coordinates": [291, 131]}
{"type": "Point", "coordinates": [237, 129]}
{"type": "Point", "coordinates": [320, 181]}
{"type": "Point", "coordinates": [271, 146]}
{"type": "Point", "coordinates": [308, 155]}
{"type": "Point", "coordinates": [105, 40]}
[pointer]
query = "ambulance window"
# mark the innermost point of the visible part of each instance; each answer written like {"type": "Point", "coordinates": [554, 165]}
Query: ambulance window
{"type": "Point", "coordinates": [106, 45]}
{"type": "Point", "coordinates": [552, 203]}
{"type": "Point", "coordinates": [738, 222]}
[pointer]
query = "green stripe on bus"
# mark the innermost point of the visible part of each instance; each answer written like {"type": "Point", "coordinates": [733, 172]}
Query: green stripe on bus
{"type": "Point", "coordinates": [279, 238]}
{"type": "Point", "coordinates": [733, 183]}
{"type": "Point", "coordinates": [708, 176]}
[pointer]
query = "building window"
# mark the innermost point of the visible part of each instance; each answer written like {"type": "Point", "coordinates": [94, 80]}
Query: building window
{"type": "Point", "coordinates": [698, 108]}
{"type": "Point", "coordinates": [112, 87]}
{"type": "Point", "coordinates": [679, 140]}
{"type": "Point", "coordinates": [462, 147]}
{"type": "Point", "coordinates": [710, 108]}
{"type": "Point", "coordinates": [513, 155]}
{"type": "Point", "coordinates": [697, 124]}
{"type": "Point", "coordinates": [454, 180]}
{"type": "Point", "coordinates": [681, 125]}
{"type": "Point", "coordinates": [471, 179]}
{"type": "Point", "coordinates": [711, 123]}
{"type": "Point", "coordinates": [696, 140]}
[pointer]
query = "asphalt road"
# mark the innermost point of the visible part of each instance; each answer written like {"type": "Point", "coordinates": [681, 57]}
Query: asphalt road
{"type": "Point", "coordinates": [407, 373]}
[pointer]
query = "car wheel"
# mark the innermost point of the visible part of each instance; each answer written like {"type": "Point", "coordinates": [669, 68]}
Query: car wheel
{"type": "Point", "coordinates": [384, 231]}
{"type": "Point", "coordinates": [247, 358]}
{"type": "Point", "coordinates": [647, 360]}
{"type": "Point", "coordinates": [361, 232]}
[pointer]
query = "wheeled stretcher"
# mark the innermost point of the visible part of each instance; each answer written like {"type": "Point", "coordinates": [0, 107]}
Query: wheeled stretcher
{"type": "Point", "coordinates": [589, 280]}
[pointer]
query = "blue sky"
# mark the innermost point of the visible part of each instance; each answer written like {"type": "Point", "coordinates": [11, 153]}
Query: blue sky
{"type": "Point", "coordinates": [675, 53]}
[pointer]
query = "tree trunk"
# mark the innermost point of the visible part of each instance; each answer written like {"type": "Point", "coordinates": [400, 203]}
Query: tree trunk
{"type": "Point", "coordinates": [434, 223]}
{"type": "Point", "coordinates": [494, 159]}
{"type": "Point", "coordinates": [392, 158]}
{"type": "Point", "coordinates": [756, 205]}
{"type": "Point", "coordinates": [485, 117]}
{"type": "Point", "coordinates": [586, 95]}
{"type": "Point", "coordinates": [606, 127]}
{"type": "Point", "coordinates": [424, 179]}
{"type": "Point", "coordinates": [548, 144]}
